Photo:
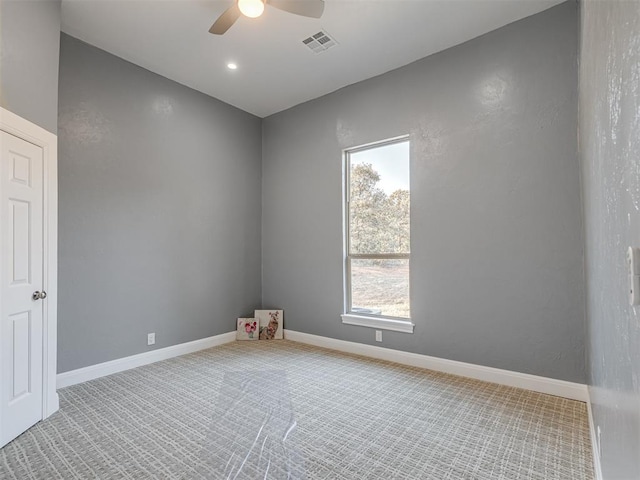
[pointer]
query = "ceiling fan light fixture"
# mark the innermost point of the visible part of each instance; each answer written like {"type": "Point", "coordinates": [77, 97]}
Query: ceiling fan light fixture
{"type": "Point", "coordinates": [251, 8]}
{"type": "Point", "coordinates": [254, 8]}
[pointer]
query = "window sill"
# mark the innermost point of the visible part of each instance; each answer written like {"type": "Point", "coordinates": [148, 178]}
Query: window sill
{"type": "Point", "coordinates": [381, 323]}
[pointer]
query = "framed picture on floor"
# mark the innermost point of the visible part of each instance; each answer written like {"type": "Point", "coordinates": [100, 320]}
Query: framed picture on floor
{"type": "Point", "coordinates": [270, 324]}
{"type": "Point", "coordinates": [247, 329]}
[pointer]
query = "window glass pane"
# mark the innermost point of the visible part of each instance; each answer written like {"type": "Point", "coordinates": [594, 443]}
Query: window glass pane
{"type": "Point", "coordinates": [380, 287]}
{"type": "Point", "coordinates": [379, 199]}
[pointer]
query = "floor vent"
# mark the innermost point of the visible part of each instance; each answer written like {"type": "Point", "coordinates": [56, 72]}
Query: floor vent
{"type": "Point", "coordinates": [319, 42]}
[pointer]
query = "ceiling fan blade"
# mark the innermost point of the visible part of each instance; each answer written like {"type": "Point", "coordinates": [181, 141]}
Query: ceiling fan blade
{"type": "Point", "coordinates": [226, 20]}
{"type": "Point", "coordinates": [306, 8]}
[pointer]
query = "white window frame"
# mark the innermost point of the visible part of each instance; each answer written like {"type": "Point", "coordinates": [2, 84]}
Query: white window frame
{"type": "Point", "coordinates": [380, 322]}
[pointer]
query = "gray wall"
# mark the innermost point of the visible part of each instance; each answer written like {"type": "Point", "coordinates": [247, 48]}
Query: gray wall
{"type": "Point", "coordinates": [497, 248]}
{"type": "Point", "coordinates": [29, 52]}
{"type": "Point", "coordinates": [610, 149]}
{"type": "Point", "coordinates": [159, 210]}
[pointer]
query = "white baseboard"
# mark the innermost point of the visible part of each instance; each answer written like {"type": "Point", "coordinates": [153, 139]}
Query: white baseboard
{"type": "Point", "coordinates": [550, 386]}
{"type": "Point", "coordinates": [80, 375]}
{"type": "Point", "coordinates": [597, 467]}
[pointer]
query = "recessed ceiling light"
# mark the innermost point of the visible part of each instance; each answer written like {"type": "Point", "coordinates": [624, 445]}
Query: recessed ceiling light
{"type": "Point", "coordinates": [232, 66]}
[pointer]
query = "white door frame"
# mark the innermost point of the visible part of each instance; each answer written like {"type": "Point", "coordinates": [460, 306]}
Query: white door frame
{"type": "Point", "coordinates": [32, 133]}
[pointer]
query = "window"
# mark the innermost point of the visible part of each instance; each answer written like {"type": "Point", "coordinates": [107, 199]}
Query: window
{"type": "Point", "coordinates": [377, 236]}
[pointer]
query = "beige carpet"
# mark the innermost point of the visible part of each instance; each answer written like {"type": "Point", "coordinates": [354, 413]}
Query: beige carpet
{"type": "Point", "coordinates": [285, 410]}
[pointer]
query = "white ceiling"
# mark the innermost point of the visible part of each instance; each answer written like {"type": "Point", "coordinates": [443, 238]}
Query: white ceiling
{"type": "Point", "coordinates": [275, 70]}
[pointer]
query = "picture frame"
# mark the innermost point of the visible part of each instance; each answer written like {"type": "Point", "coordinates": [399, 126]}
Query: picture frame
{"type": "Point", "coordinates": [247, 329]}
{"type": "Point", "coordinates": [270, 323]}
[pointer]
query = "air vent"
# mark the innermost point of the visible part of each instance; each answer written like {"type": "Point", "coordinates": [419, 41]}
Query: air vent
{"type": "Point", "coordinates": [319, 42]}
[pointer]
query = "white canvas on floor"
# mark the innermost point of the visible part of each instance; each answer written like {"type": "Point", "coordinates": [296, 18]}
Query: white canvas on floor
{"type": "Point", "coordinates": [247, 329]}
{"type": "Point", "coordinates": [270, 322]}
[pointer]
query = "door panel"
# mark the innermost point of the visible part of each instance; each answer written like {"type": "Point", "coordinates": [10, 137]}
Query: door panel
{"type": "Point", "coordinates": [19, 242]}
{"type": "Point", "coordinates": [21, 368]}
{"type": "Point", "coordinates": [21, 247]}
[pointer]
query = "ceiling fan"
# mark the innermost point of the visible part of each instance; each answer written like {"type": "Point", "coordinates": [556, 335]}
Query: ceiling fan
{"type": "Point", "coordinates": [254, 8]}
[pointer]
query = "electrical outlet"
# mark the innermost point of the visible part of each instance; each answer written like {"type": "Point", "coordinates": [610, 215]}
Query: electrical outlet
{"type": "Point", "coordinates": [378, 335]}
{"type": "Point", "coordinates": [151, 338]}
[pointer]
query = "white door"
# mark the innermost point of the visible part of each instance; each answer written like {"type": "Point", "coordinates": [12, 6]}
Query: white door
{"type": "Point", "coordinates": [21, 262]}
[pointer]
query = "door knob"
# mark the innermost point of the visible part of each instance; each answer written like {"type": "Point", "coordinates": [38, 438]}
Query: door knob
{"type": "Point", "coordinates": [37, 295]}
